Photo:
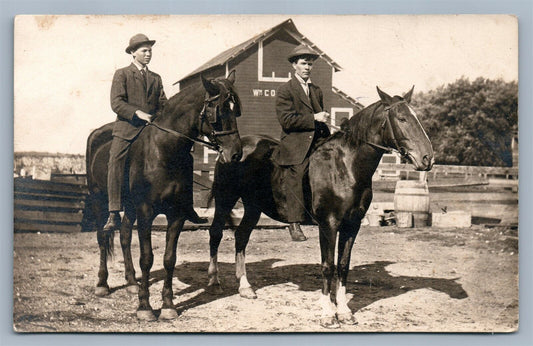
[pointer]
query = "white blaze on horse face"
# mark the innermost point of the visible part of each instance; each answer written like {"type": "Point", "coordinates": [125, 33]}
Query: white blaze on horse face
{"type": "Point", "coordinates": [231, 105]}
{"type": "Point", "coordinates": [413, 113]}
{"type": "Point", "coordinates": [221, 156]}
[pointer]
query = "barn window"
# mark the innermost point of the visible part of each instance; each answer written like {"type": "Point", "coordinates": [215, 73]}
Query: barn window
{"type": "Point", "coordinates": [272, 65]}
{"type": "Point", "coordinates": [340, 113]}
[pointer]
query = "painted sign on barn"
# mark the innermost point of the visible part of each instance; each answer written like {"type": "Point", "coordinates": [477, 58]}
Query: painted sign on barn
{"type": "Point", "coordinates": [261, 67]}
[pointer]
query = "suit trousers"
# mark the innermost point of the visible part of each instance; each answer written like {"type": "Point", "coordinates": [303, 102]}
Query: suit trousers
{"type": "Point", "coordinates": [293, 185]}
{"type": "Point", "coordinates": [115, 172]}
{"type": "Point", "coordinates": [116, 169]}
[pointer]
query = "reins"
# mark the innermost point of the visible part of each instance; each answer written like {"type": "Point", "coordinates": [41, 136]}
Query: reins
{"type": "Point", "coordinates": [212, 144]}
{"type": "Point", "coordinates": [374, 145]}
{"type": "Point", "coordinates": [385, 123]}
{"type": "Point", "coordinates": [179, 134]}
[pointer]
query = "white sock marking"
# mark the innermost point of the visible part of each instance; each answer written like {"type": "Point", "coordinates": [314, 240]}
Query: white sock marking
{"type": "Point", "coordinates": [328, 309]}
{"type": "Point", "coordinates": [342, 302]}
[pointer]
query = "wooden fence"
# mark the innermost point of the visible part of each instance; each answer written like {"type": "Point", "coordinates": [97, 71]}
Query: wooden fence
{"type": "Point", "coordinates": [48, 206]}
{"type": "Point", "coordinates": [57, 205]}
{"type": "Point", "coordinates": [442, 171]}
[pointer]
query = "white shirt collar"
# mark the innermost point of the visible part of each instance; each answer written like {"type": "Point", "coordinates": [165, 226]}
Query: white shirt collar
{"type": "Point", "coordinates": [301, 80]}
{"type": "Point", "coordinates": [139, 66]}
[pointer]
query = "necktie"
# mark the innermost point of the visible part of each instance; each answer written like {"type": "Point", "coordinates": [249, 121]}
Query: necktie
{"type": "Point", "coordinates": [143, 73]}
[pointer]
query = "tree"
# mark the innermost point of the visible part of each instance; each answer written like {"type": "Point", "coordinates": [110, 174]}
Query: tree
{"type": "Point", "coordinates": [470, 123]}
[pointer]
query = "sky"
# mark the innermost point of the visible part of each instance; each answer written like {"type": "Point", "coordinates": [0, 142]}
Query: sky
{"type": "Point", "coordinates": [64, 64]}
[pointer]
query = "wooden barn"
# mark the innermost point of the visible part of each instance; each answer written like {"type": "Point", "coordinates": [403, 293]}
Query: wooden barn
{"type": "Point", "coordinates": [261, 67]}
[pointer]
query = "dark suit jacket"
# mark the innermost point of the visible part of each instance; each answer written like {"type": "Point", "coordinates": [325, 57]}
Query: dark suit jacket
{"type": "Point", "coordinates": [129, 93]}
{"type": "Point", "coordinates": [295, 111]}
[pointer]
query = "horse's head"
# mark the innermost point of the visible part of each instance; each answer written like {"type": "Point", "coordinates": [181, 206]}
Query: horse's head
{"type": "Point", "coordinates": [402, 130]}
{"type": "Point", "coordinates": [219, 117]}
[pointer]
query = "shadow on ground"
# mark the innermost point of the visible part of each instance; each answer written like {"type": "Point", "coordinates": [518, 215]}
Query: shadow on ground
{"type": "Point", "coordinates": [368, 283]}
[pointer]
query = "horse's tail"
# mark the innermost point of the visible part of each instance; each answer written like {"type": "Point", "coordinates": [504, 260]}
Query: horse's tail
{"type": "Point", "coordinates": [106, 239]}
{"type": "Point", "coordinates": [221, 180]}
{"type": "Point", "coordinates": [210, 197]}
{"type": "Point", "coordinates": [110, 249]}
{"type": "Point", "coordinates": [96, 200]}
{"type": "Point", "coordinates": [89, 218]}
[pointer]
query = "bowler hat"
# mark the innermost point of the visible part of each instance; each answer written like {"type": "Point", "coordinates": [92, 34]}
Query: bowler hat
{"type": "Point", "coordinates": [301, 50]}
{"type": "Point", "coordinates": [138, 40]}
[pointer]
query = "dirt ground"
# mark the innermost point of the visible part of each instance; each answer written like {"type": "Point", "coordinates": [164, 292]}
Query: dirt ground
{"type": "Point", "coordinates": [408, 280]}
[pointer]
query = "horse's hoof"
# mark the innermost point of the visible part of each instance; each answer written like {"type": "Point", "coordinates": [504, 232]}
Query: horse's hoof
{"type": "Point", "coordinates": [132, 289]}
{"type": "Point", "coordinates": [146, 315]}
{"type": "Point", "coordinates": [101, 291]}
{"type": "Point", "coordinates": [215, 289]}
{"type": "Point", "coordinates": [347, 318]}
{"type": "Point", "coordinates": [168, 314]}
{"type": "Point", "coordinates": [330, 322]}
{"type": "Point", "coordinates": [247, 292]}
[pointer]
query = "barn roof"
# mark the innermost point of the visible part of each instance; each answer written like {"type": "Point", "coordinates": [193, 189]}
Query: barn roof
{"type": "Point", "coordinates": [347, 97]}
{"type": "Point", "coordinates": [233, 52]}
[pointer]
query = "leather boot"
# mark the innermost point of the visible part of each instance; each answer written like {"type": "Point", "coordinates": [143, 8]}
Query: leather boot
{"type": "Point", "coordinates": [296, 232]}
{"type": "Point", "coordinates": [193, 217]}
{"type": "Point", "coordinates": [113, 222]}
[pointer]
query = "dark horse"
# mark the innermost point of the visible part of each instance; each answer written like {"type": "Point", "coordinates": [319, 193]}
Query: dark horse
{"type": "Point", "coordinates": [160, 171]}
{"type": "Point", "coordinates": [340, 183]}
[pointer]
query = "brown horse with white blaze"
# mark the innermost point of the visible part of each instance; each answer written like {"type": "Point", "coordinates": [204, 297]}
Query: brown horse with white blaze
{"type": "Point", "coordinates": [159, 179]}
{"type": "Point", "coordinates": [338, 194]}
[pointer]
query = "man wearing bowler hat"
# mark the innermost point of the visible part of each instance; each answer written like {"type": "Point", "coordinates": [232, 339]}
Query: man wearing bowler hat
{"type": "Point", "coordinates": [137, 97]}
{"type": "Point", "coordinates": [300, 111]}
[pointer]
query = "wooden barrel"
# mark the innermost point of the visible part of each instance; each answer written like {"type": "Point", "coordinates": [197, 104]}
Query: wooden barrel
{"type": "Point", "coordinates": [404, 219]}
{"type": "Point", "coordinates": [412, 196]}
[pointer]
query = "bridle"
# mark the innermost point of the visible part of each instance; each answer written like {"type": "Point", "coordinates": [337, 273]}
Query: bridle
{"type": "Point", "coordinates": [387, 126]}
{"type": "Point", "coordinates": [210, 115]}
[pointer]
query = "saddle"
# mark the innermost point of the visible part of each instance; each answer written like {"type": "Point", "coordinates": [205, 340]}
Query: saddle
{"type": "Point", "coordinates": [278, 175]}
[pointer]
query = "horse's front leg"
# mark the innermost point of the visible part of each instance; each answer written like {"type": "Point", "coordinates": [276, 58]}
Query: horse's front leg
{"type": "Point", "coordinates": [144, 227]}
{"type": "Point", "coordinates": [105, 245]}
{"type": "Point", "coordinates": [125, 242]}
{"type": "Point", "coordinates": [215, 237]}
{"type": "Point", "coordinates": [175, 226]}
{"type": "Point", "coordinates": [327, 236]}
{"type": "Point", "coordinates": [364, 196]}
{"type": "Point", "coordinates": [242, 235]}
{"type": "Point", "coordinates": [347, 233]}
{"type": "Point", "coordinates": [222, 210]}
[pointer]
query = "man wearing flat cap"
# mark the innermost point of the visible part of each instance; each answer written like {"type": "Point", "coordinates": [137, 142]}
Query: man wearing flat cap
{"type": "Point", "coordinates": [137, 97]}
{"type": "Point", "coordinates": [300, 111]}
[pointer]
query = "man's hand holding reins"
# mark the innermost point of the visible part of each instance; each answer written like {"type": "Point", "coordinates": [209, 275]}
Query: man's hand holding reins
{"type": "Point", "coordinates": [322, 116]}
{"type": "Point", "coordinates": [144, 116]}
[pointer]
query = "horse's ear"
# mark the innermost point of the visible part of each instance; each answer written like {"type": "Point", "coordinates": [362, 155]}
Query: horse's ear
{"type": "Point", "coordinates": [231, 77]}
{"type": "Point", "coordinates": [407, 97]}
{"type": "Point", "coordinates": [209, 86]}
{"type": "Point", "coordinates": [384, 97]}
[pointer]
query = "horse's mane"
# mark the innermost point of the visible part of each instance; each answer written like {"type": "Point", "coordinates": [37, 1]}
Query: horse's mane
{"type": "Point", "coordinates": [189, 94]}
{"type": "Point", "coordinates": [355, 130]}
{"type": "Point", "coordinates": [181, 97]}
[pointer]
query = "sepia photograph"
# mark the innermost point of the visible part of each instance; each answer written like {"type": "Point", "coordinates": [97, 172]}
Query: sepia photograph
{"type": "Point", "coordinates": [266, 174]}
